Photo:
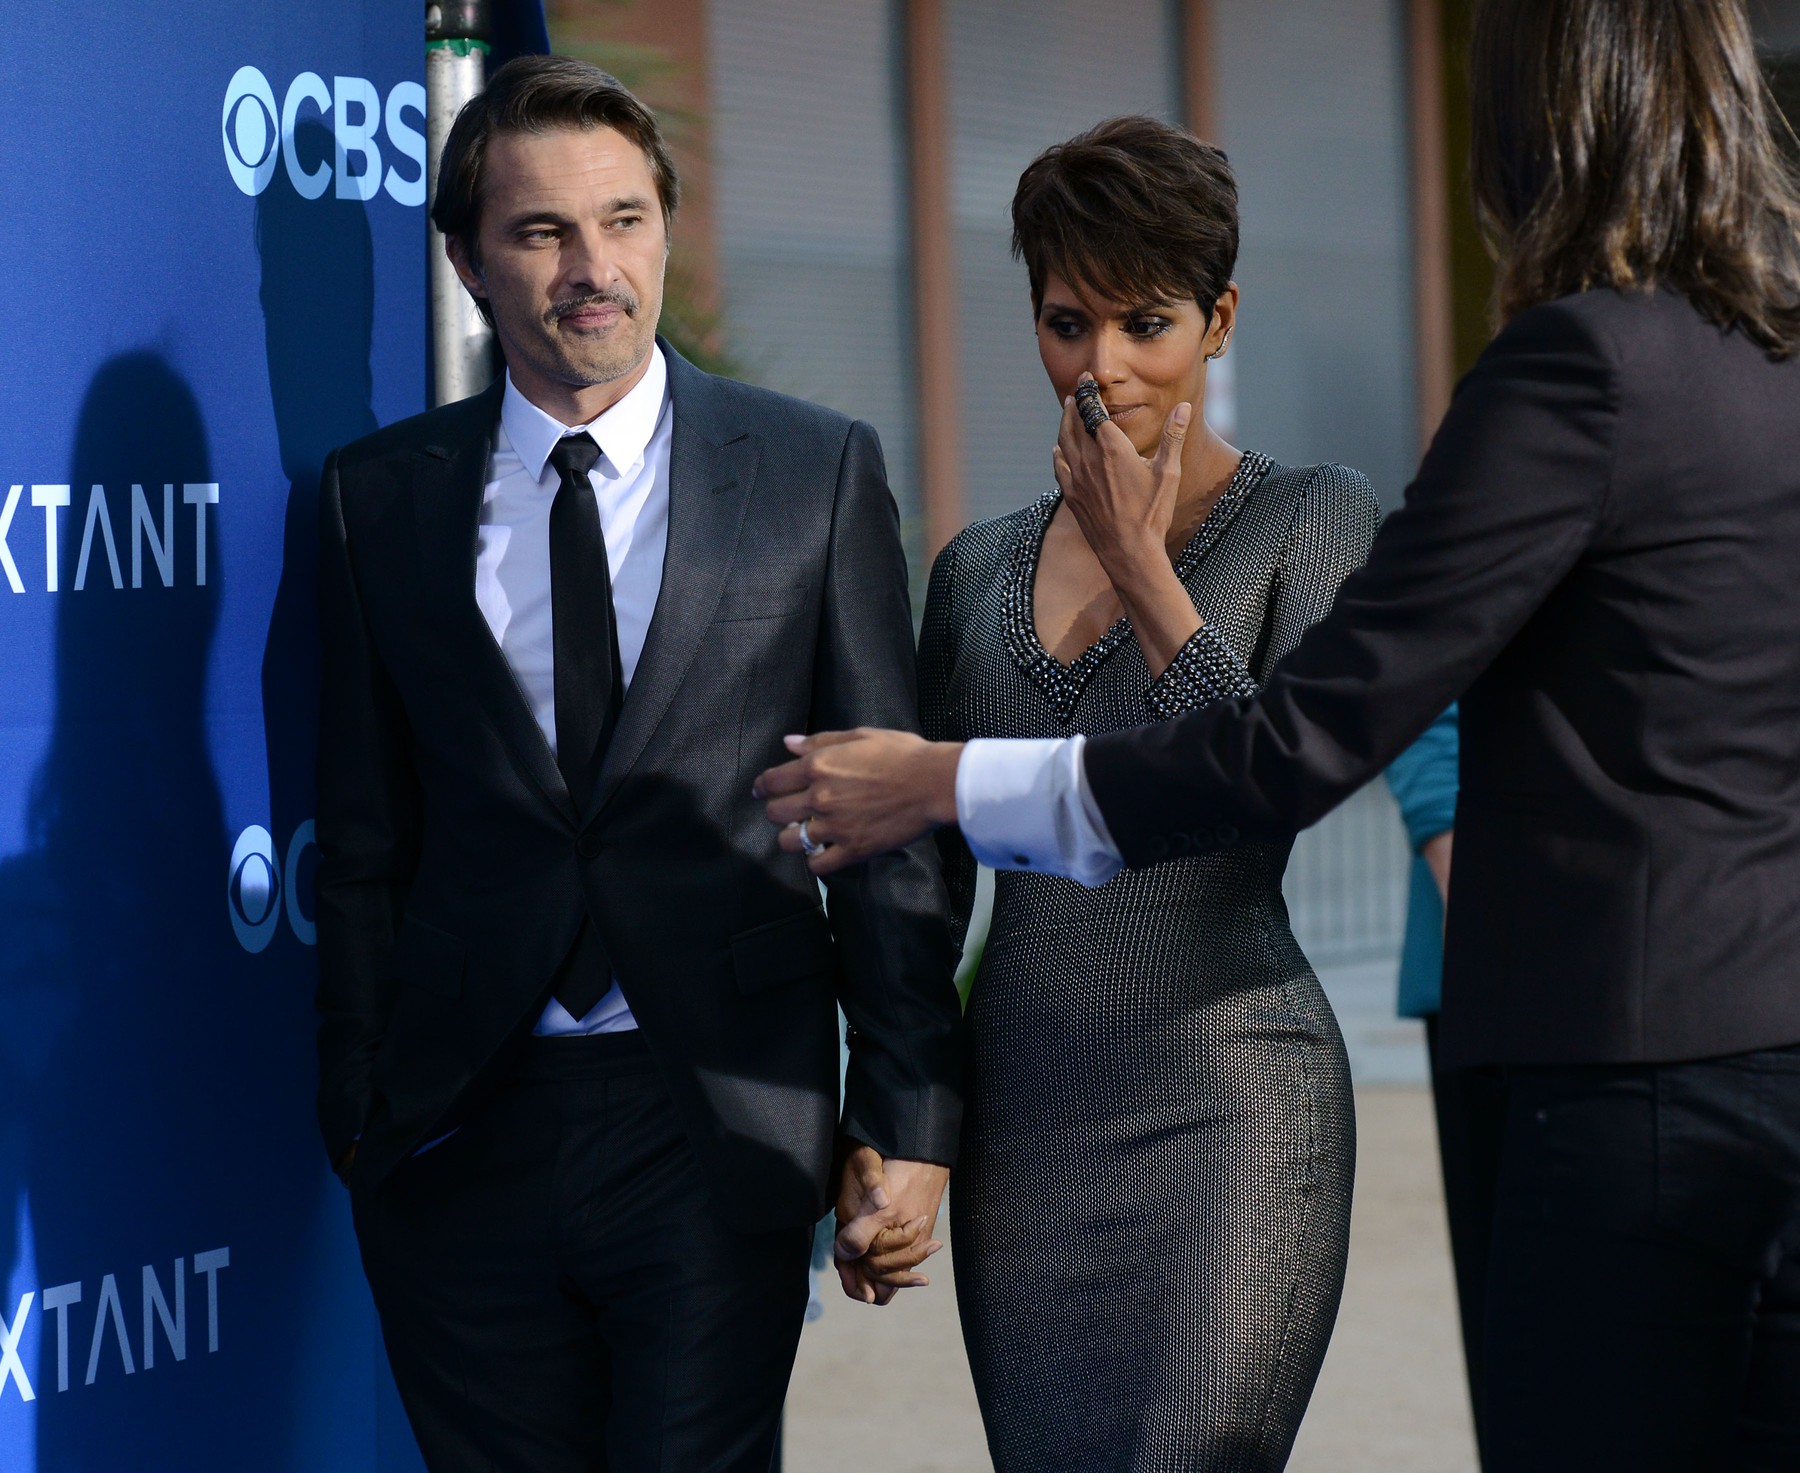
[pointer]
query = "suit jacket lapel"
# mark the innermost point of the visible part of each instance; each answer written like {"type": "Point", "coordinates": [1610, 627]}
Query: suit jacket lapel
{"type": "Point", "coordinates": [712, 464]}
{"type": "Point", "coordinates": [448, 485]}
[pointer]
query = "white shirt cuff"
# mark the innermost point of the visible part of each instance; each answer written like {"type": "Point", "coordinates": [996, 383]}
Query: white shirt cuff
{"type": "Point", "coordinates": [1026, 805]}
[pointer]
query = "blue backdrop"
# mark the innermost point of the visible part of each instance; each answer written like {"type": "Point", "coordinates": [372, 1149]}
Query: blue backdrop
{"type": "Point", "coordinates": [213, 250]}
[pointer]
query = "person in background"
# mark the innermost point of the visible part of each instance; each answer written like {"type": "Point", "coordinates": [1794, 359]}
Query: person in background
{"type": "Point", "coordinates": [1470, 1103]}
{"type": "Point", "coordinates": [1598, 561]}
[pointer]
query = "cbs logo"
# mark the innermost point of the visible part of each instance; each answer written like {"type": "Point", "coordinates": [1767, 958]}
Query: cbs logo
{"type": "Point", "coordinates": [259, 891]}
{"type": "Point", "coordinates": [258, 135]}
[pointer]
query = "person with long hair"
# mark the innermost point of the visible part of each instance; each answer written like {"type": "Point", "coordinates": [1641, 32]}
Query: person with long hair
{"type": "Point", "coordinates": [1601, 556]}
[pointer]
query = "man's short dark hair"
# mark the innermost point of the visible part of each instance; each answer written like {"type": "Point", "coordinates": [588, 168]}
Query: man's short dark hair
{"type": "Point", "coordinates": [1133, 209]}
{"type": "Point", "coordinates": [533, 94]}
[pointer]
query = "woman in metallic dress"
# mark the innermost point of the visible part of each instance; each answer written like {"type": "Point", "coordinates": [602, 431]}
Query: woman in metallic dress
{"type": "Point", "coordinates": [1153, 1204]}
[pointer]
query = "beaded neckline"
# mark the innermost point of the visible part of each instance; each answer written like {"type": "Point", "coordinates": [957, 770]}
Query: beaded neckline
{"type": "Point", "coordinates": [1062, 684]}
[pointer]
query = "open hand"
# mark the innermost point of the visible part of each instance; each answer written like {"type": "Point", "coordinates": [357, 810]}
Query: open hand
{"type": "Point", "coordinates": [860, 793]}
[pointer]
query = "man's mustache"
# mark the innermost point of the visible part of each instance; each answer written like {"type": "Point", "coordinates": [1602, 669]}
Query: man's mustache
{"type": "Point", "coordinates": [620, 297]}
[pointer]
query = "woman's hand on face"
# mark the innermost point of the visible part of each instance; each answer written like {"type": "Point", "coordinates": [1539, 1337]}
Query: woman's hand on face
{"type": "Point", "coordinates": [1123, 503]}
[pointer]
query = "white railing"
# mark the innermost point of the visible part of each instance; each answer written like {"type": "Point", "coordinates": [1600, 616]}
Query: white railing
{"type": "Point", "coordinates": [1346, 884]}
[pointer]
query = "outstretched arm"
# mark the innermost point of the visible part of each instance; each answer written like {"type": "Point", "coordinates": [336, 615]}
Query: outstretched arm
{"type": "Point", "coordinates": [1507, 500]}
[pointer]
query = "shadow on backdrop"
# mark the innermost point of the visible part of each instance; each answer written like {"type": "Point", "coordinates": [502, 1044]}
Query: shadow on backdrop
{"type": "Point", "coordinates": [318, 302]}
{"type": "Point", "coordinates": [153, 1093]}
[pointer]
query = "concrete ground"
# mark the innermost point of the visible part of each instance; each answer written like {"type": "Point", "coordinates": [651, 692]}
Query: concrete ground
{"type": "Point", "coordinates": [887, 1391]}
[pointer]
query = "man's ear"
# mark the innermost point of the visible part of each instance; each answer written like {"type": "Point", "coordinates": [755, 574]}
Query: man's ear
{"type": "Point", "coordinates": [466, 270]}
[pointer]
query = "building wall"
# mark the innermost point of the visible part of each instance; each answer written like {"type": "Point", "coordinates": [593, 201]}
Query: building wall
{"type": "Point", "coordinates": [808, 142]}
{"type": "Point", "coordinates": [1023, 78]}
{"type": "Point", "coordinates": [1311, 101]}
{"type": "Point", "coordinates": [809, 172]}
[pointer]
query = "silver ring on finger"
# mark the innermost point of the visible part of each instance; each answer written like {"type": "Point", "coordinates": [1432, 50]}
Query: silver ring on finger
{"type": "Point", "coordinates": [808, 843]}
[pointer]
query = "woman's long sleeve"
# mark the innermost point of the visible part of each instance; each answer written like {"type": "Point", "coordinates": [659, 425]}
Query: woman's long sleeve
{"type": "Point", "coordinates": [1333, 529]}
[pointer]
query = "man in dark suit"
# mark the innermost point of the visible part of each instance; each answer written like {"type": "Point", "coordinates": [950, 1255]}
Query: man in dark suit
{"type": "Point", "coordinates": [579, 1046]}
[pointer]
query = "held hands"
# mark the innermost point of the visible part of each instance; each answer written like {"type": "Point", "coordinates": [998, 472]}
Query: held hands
{"type": "Point", "coordinates": [859, 793]}
{"type": "Point", "coordinates": [885, 1214]}
{"type": "Point", "coordinates": [1123, 503]}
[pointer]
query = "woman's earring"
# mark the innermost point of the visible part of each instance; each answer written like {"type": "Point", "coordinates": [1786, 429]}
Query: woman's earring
{"type": "Point", "coordinates": [1219, 352]}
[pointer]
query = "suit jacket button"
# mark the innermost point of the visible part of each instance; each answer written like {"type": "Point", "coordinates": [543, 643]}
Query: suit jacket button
{"type": "Point", "coordinates": [588, 845]}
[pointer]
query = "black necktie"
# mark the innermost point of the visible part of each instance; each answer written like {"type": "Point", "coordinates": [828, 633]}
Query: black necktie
{"type": "Point", "coordinates": [584, 635]}
{"type": "Point", "coordinates": [588, 678]}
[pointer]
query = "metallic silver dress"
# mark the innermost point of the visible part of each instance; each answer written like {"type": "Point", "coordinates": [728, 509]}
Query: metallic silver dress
{"type": "Point", "coordinates": [1152, 1207]}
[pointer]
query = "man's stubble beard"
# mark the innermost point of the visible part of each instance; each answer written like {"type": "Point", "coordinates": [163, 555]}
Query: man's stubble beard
{"type": "Point", "coordinates": [620, 353]}
{"type": "Point", "coordinates": [617, 354]}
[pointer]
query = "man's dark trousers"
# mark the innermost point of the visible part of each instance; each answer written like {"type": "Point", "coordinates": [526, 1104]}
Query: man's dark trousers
{"type": "Point", "coordinates": [561, 1222]}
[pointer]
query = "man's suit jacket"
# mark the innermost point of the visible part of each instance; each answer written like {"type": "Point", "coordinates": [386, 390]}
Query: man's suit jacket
{"type": "Point", "coordinates": [1602, 549]}
{"type": "Point", "coordinates": [455, 870]}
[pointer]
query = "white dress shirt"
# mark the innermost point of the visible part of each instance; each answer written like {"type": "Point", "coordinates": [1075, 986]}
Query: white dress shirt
{"type": "Point", "coordinates": [512, 561]}
{"type": "Point", "coordinates": [1025, 804]}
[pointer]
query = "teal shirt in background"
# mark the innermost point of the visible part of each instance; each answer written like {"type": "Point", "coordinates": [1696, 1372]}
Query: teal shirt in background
{"type": "Point", "coordinates": [1423, 780]}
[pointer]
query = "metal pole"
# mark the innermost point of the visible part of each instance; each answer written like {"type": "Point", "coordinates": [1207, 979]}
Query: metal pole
{"type": "Point", "coordinates": [456, 49]}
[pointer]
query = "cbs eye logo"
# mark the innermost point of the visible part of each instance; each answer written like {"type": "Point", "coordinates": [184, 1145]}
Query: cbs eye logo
{"type": "Point", "coordinates": [258, 134]}
{"type": "Point", "coordinates": [258, 891]}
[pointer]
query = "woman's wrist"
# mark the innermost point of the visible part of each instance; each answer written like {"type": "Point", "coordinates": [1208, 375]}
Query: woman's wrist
{"type": "Point", "coordinates": [1160, 608]}
{"type": "Point", "coordinates": [1138, 568]}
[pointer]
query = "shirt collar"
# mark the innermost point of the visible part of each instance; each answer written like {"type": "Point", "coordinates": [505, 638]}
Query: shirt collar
{"type": "Point", "coordinates": [622, 432]}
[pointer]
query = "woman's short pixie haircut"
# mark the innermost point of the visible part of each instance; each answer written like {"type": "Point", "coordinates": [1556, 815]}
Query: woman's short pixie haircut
{"type": "Point", "coordinates": [1133, 210]}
